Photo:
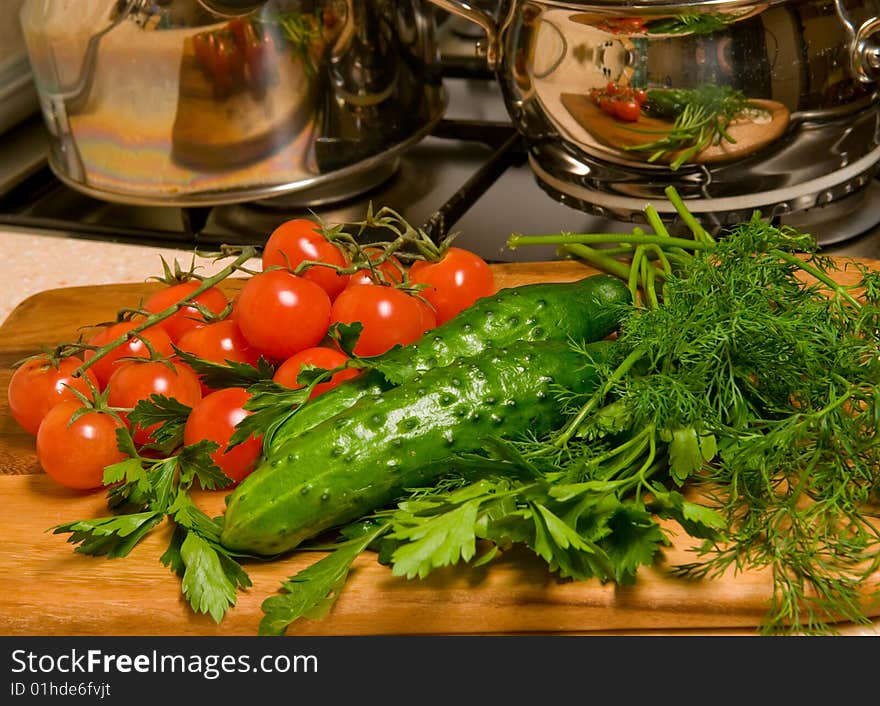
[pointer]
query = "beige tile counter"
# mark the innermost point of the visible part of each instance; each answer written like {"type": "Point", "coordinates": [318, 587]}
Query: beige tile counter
{"type": "Point", "coordinates": [31, 263]}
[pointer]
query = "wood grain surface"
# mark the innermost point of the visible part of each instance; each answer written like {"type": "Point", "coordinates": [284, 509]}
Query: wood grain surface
{"type": "Point", "coordinates": [51, 590]}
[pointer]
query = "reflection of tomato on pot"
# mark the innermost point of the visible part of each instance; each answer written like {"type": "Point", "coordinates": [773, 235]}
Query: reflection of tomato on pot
{"type": "Point", "coordinates": [622, 25]}
{"type": "Point", "coordinates": [621, 102]}
{"type": "Point", "coordinates": [235, 57]}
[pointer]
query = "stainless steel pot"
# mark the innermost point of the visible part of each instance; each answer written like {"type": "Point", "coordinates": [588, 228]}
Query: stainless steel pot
{"type": "Point", "coordinates": [18, 98]}
{"type": "Point", "coordinates": [806, 132]}
{"type": "Point", "coordinates": [199, 102]}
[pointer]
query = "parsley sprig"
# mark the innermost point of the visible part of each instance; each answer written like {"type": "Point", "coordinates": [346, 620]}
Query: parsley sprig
{"type": "Point", "coordinates": [593, 529]}
{"type": "Point", "coordinates": [145, 491]}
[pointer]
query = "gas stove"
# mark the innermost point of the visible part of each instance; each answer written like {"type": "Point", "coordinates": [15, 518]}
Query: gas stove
{"type": "Point", "coordinates": [469, 176]}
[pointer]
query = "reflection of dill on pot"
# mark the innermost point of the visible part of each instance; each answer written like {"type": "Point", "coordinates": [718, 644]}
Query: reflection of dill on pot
{"type": "Point", "coordinates": [301, 32]}
{"type": "Point", "coordinates": [701, 23]}
{"type": "Point", "coordinates": [700, 118]}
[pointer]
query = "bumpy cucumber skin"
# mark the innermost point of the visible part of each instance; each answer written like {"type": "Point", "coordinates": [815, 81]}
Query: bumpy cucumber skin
{"type": "Point", "coordinates": [363, 458]}
{"type": "Point", "coordinates": [588, 309]}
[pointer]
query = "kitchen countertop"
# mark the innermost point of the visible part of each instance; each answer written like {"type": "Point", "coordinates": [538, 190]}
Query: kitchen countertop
{"type": "Point", "coordinates": [32, 263]}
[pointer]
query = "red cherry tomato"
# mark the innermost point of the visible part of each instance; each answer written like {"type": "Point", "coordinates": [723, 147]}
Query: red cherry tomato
{"type": "Point", "coordinates": [139, 380]}
{"type": "Point", "coordinates": [188, 317]}
{"type": "Point", "coordinates": [221, 342]}
{"type": "Point", "coordinates": [619, 25]}
{"type": "Point", "coordinates": [237, 27]}
{"type": "Point", "coordinates": [134, 347]}
{"type": "Point", "coordinates": [256, 48]}
{"type": "Point", "coordinates": [37, 385]}
{"type": "Point", "coordinates": [319, 357]}
{"type": "Point", "coordinates": [389, 316]}
{"type": "Point", "coordinates": [429, 317]}
{"type": "Point", "coordinates": [214, 418]}
{"type": "Point", "coordinates": [628, 111]}
{"type": "Point", "coordinates": [75, 455]}
{"type": "Point", "coordinates": [280, 313]}
{"type": "Point", "coordinates": [299, 240]}
{"type": "Point", "coordinates": [205, 48]}
{"type": "Point", "coordinates": [391, 268]}
{"type": "Point", "coordinates": [228, 64]}
{"type": "Point", "coordinates": [454, 282]}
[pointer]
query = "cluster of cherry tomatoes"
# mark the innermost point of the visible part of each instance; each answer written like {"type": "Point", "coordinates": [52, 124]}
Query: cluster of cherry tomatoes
{"type": "Point", "coordinates": [282, 314]}
{"type": "Point", "coordinates": [241, 54]}
{"type": "Point", "coordinates": [621, 102]}
{"type": "Point", "coordinates": [238, 56]}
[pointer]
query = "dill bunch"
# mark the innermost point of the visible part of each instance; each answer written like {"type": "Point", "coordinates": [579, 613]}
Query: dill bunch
{"type": "Point", "coordinates": [784, 376]}
{"type": "Point", "coordinates": [751, 376]}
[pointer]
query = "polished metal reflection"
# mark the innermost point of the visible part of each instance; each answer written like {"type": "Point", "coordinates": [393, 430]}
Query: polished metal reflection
{"type": "Point", "coordinates": [183, 102]}
{"type": "Point", "coordinates": [808, 70]}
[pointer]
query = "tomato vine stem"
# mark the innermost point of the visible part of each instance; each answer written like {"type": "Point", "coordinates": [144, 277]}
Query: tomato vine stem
{"type": "Point", "coordinates": [246, 253]}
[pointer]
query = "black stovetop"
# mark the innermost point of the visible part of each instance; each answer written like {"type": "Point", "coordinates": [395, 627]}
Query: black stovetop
{"type": "Point", "coordinates": [468, 176]}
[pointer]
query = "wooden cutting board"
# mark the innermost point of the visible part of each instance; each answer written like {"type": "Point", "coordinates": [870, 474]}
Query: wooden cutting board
{"type": "Point", "coordinates": [51, 590]}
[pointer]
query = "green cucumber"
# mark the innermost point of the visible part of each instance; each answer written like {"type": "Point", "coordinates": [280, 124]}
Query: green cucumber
{"type": "Point", "coordinates": [366, 456]}
{"type": "Point", "coordinates": [585, 310]}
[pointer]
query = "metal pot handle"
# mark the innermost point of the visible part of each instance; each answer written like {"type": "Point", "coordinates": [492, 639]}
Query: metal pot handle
{"type": "Point", "coordinates": [864, 45]}
{"type": "Point", "coordinates": [866, 51]}
{"type": "Point", "coordinates": [483, 19]}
